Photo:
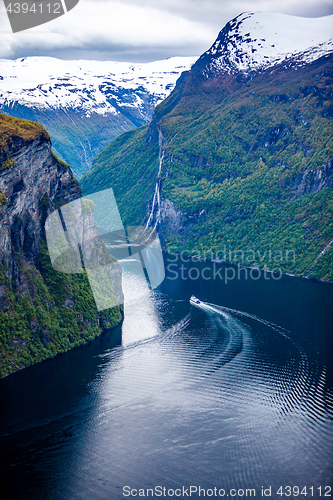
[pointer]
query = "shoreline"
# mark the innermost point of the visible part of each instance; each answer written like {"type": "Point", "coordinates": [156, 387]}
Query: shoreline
{"type": "Point", "coordinates": [180, 257]}
{"type": "Point", "coordinates": [113, 327]}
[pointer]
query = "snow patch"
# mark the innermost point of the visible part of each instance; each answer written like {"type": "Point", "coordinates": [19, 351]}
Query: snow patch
{"type": "Point", "coordinates": [258, 40]}
{"type": "Point", "coordinates": [92, 86]}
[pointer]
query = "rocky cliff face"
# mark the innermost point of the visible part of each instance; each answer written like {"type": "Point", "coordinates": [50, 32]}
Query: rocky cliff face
{"type": "Point", "coordinates": [42, 312]}
{"type": "Point", "coordinates": [313, 180]}
{"type": "Point", "coordinates": [34, 183]}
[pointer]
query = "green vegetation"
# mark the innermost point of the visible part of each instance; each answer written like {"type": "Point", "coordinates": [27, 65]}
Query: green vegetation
{"type": "Point", "coordinates": [16, 127]}
{"type": "Point", "coordinates": [88, 206]}
{"type": "Point", "coordinates": [63, 163]}
{"type": "Point", "coordinates": [9, 163]}
{"type": "Point", "coordinates": [74, 137]}
{"type": "Point", "coordinates": [132, 170]}
{"type": "Point", "coordinates": [58, 314]}
{"type": "Point", "coordinates": [3, 199]}
{"type": "Point", "coordinates": [242, 164]}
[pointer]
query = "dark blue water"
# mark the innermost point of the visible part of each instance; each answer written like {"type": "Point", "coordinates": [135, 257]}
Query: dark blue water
{"type": "Point", "coordinates": [235, 394]}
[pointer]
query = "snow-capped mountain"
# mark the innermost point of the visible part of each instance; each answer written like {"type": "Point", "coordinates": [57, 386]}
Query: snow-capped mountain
{"type": "Point", "coordinates": [255, 41]}
{"type": "Point", "coordinates": [93, 86]}
{"type": "Point", "coordinates": [239, 153]}
{"type": "Point", "coordinates": [85, 104]}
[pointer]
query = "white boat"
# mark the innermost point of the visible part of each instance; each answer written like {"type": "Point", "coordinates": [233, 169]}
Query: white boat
{"type": "Point", "coordinates": [194, 300]}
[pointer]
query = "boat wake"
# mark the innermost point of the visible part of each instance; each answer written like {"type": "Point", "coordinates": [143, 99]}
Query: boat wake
{"type": "Point", "coordinates": [292, 383]}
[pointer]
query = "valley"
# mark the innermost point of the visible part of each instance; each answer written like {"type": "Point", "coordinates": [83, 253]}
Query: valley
{"type": "Point", "coordinates": [85, 104]}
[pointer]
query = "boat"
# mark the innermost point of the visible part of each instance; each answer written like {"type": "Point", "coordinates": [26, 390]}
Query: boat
{"type": "Point", "coordinates": [194, 300]}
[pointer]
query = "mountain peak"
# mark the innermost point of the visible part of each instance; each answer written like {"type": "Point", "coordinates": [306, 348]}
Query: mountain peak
{"type": "Point", "coordinates": [255, 41]}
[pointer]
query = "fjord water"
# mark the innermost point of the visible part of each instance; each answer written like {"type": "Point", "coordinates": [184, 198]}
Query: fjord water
{"type": "Point", "coordinates": [236, 393]}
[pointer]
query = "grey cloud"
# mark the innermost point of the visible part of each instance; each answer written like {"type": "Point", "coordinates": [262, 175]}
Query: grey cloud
{"type": "Point", "coordinates": [162, 29]}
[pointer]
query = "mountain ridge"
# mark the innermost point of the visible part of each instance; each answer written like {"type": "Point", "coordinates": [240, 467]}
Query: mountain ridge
{"type": "Point", "coordinates": [46, 82]}
{"type": "Point", "coordinates": [85, 104]}
{"type": "Point", "coordinates": [240, 157]}
{"type": "Point", "coordinates": [254, 41]}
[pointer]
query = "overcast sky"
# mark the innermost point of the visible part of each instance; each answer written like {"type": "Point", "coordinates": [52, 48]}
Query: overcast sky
{"type": "Point", "coordinates": [140, 30]}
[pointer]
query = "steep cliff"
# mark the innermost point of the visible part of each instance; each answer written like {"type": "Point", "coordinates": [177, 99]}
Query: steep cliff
{"type": "Point", "coordinates": [42, 312]}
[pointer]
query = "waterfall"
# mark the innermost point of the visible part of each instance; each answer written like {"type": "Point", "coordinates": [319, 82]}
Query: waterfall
{"type": "Point", "coordinates": [86, 157]}
{"type": "Point", "coordinates": [151, 215]}
{"type": "Point", "coordinates": [155, 207]}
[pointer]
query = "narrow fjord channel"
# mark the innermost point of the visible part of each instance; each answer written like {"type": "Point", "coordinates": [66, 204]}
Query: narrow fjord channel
{"type": "Point", "coordinates": [234, 393]}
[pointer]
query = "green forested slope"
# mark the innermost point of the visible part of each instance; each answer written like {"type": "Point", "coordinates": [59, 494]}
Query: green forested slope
{"type": "Point", "coordinates": [247, 166]}
{"type": "Point", "coordinates": [59, 313]}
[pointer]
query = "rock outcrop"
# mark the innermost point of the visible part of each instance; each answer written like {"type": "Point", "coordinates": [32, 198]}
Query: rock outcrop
{"type": "Point", "coordinates": [313, 180]}
{"type": "Point", "coordinates": [34, 183]}
{"type": "Point", "coordinates": [42, 312]}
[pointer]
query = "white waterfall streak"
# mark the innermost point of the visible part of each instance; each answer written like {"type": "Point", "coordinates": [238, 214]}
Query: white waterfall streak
{"type": "Point", "coordinates": [151, 215]}
{"type": "Point", "coordinates": [84, 151]}
{"type": "Point", "coordinates": [155, 207]}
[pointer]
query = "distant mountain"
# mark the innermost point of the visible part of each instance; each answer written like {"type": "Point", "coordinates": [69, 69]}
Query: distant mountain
{"type": "Point", "coordinates": [238, 160]}
{"type": "Point", "coordinates": [85, 104]}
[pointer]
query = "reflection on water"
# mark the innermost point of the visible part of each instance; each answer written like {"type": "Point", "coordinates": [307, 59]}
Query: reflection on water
{"type": "Point", "coordinates": [140, 318]}
{"type": "Point", "coordinates": [223, 395]}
